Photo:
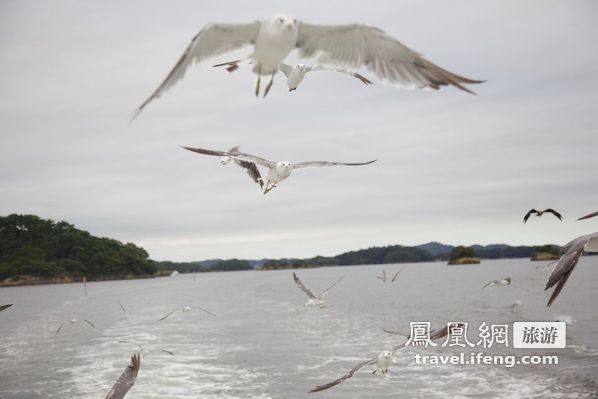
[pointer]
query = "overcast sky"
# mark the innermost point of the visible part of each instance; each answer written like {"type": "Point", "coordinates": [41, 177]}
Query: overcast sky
{"type": "Point", "coordinates": [452, 167]}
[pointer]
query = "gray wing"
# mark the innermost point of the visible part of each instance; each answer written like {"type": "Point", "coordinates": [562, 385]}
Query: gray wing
{"type": "Point", "coordinates": [354, 46]}
{"type": "Point", "coordinates": [328, 289]}
{"type": "Point", "coordinates": [2, 307]}
{"type": "Point", "coordinates": [121, 307]}
{"type": "Point", "coordinates": [302, 287]}
{"type": "Point", "coordinates": [168, 314]}
{"type": "Point", "coordinates": [396, 275]}
{"type": "Point", "coordinates": [555, 213]}
{"type": "Point", "coordinates": [346, 376]}
{"type": "Point", "coordinates": [212, 40]}
{"type": "Point", "coordinates": [314, 164]}
{"type": "Point", "coordinates": [89, 322]}
{"type": "Point", "coordinates": [207, 311]}
{"type": "Point", "coordinates": [493, 282]}
{"type": "Point", "coordinates": [233, 153]}
{"type": "Point", "coordinates": [286, 69]}
{"type": "Point", "coordinates": [60, 328]}
{"type": "Point", "coordinates": [126, 380]}
{"type": "Point", "coordinates": [590, 215]}
{"type": "Point", "coordinates": [561, 272]}
{"type": "Point", "coordinates": [349, 72]}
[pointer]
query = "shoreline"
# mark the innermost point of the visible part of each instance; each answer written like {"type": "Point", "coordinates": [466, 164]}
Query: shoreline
{"type": "Point", "coordinates": [66, 279]}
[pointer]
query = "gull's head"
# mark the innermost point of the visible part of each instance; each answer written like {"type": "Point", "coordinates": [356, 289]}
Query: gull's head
{"type": "Point", "coordinates": [73, 321]}
{"type": "Point", "coordinates": [386, 355]}
{"type": "Point", "coordinates": [285, 22]}
{"type": "Point", "coordinates": [186, 309]}
{"type": "Point", "coordinates": [286, 164]}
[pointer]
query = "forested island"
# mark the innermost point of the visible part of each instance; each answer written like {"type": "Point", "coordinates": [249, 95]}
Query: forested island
{"type": "Point", "coordinates": [34, 250]}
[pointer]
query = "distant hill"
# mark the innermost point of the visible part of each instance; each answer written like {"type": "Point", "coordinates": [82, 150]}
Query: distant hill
{"type": "Point", "coordinates": [44, 249]}
{"type": "Point", "coordinates": [436, 248]}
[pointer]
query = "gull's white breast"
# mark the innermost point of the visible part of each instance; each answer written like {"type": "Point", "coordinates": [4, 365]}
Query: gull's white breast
{"type": "Point", "coordinates": [273, 44]}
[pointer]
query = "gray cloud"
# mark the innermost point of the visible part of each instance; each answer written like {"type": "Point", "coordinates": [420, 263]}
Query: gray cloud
{"type": "Point", "coordinates": [452, 167]}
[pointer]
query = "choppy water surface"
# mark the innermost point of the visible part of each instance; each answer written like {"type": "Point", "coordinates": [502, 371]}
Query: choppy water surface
{"type": "Point", "coordinates": [265, 344]}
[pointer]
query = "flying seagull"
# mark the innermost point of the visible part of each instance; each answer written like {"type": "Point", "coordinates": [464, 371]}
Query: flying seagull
{"type": "Point", "coordinates": [314, 300]}
{"type": "Point", "coordinates": [570, 254]}
{"type": "Point", "coordinates": [350, 46]}
{"type": "Point", "coordinates": [277, 171]}
{"type": "Point", "coordinates": [126, 379]}
{"type": "Point", "coordinates": [122, 308]}
{"type": "Point", "coordinates": [499, 283]}
{"type": "Point", "coordinates": [591, 215]}
{"type": "Point", "coordinates": [2, 307]}
{"type": "Point", "coordinates": [385, 359]}
{"type": "Point", "coordinates": [73, 321]}
{"type": "Point", "coordinates": [295, 74]}
{"type": "Point", "coordinates": [125, 341]}
{"type": "Point", "coordinates": [540, 213]}
{"type": "Point", "coordinates": [383, 276]}
{"type": "Point", "coordinates": [186, 309]}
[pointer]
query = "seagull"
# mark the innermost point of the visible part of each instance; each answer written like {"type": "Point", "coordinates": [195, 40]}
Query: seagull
{"type": "Point", "coordinates": [2, 307]}
{"type": "Point", "coordinates": [142, 348]}
{"type": "Point", "coordinates": [591, 215]}
{"type": "Point", "coordinates": [350, 46]}
{"type": "Point", "coordinates": [540, 213]}
{"type": "Point", "coordinates": [499, 283]}
{"type": "Point", "coordinates": [186, 309]}
{"type": "Point", "coordinates": [73, 321]}
{"type": "Point", "coordinates": [122, 308]}
{"type": "Point", "coordinates": [295, 74]}
{"type": "Point", "coordinates": [384, 360]}
{"type": "Point", "coordinates": [383, 276]}
{"type": "Point", "coordinates": [277, 171]}
{"type": "Point", "coordinates": [126, 379]}
{"type": "Point", "coordinates": [570, 254]}
{"type": "Point", "coordinates": [313, 300]}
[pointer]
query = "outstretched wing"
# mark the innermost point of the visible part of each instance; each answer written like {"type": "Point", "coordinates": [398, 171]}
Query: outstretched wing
{"type": "Point", "coordinates": [89, 322]}
{"type": "Point", "coordinates": [328, 289]}
{"type": "Point", "coordinates": [396, 275]}
{"type": "Point", "coordinates": [491, 283]}
{"type": "Point", "coordinates": [555, 213]}
{"type": "Point", "coordinates": [302, 287]}
{"type": "Point", "coordinates": [354, 46]}
{"type": "Point", "coordinates": [286, 69]}
{"type": "Point", "coordinates": [527, 215]}
{"type": "Point", "coordinates": [591, 215]}
{"type": "Point", "coordinates": [561, 272]}
{"type": "Point", "coordinates": [252, 171]}
{"type": "Point", "coordinates": [212, 40]}
{"type": "Point", "coordinates": [2, 307]}
{"type": "Point", "coordinates": [346, 376]}
{"type": "Point", "coordinates": [126, 379]}
{"type": "Point", "coordinates": [60, 328]}
{"type": "Point", "coordinates": [168, 314]}
{"type": "Point", "coordinates": [233, 153]}
{"type": "Point", "coordinates": [349, 72]}
{"type": "Point", "coordinates": [206, 311]}
{"type": "Point", "coordinates": [314, 164]}
{"type": "Point", "coordinates": [121, 307]}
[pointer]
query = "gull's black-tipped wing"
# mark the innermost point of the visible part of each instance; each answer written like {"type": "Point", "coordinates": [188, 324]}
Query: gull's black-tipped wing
{"type": "Point", "coordinates": [315, 164]}
{"type": "Point", "coordinates": [396, 275]}
{"type": "Point", "coordinates": [89, 322]}
{"type": "Point", "coordinates": [126, 380]}
{"type": "Point", "coordinates": [571, 253]}
{"type": "Point", "coordinates": [344, 377]}
{"type": "Point", "coordinates": [590, 215]}
{"type": "Point", "coordinates": [235, 154]}
{"type": "Point", "coordinates": [252, 171]}
{"type": "Point", "coordinates": [353, 46]}
{"type": "Point", "coordinates": [206, 311]}
{"type": "Point", "coordinates": [168, 314]}
{"type": "Point", "coordinates": [60, 328]}
{"type": "Point", "coordinates": [555, 213]}
{"type": "Point", "coordinates": [2, 307]}
{"type": "Point", "coordinates": [527, 215]}
{"type": "Point", "coordinates": [328, 289]}
{"type": "Point", "coordinates": [302, 287]}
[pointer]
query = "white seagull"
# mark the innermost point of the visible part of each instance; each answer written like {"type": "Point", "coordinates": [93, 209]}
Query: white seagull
{"type": "Point", "coordinates": [277, 171]}
{"type": "Point", "coordinates": [570, 254]}
{"type": "Point", "coordinates": [314, 300]}
{"type": "Point", "coordinates": [186, 309]}
{"type": "Point", "coordinates": [126, 379]}
{"type": "Point", "coordinates": [384, 360]}
{"type": "Point", "coordinates": [499, 283]}
{"type": "Point", "coordinates": [350, 46]}
{"type": "Point", "coordinates": [73, 321]}
{"type": "Point", "coordinates": [296, 74]}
